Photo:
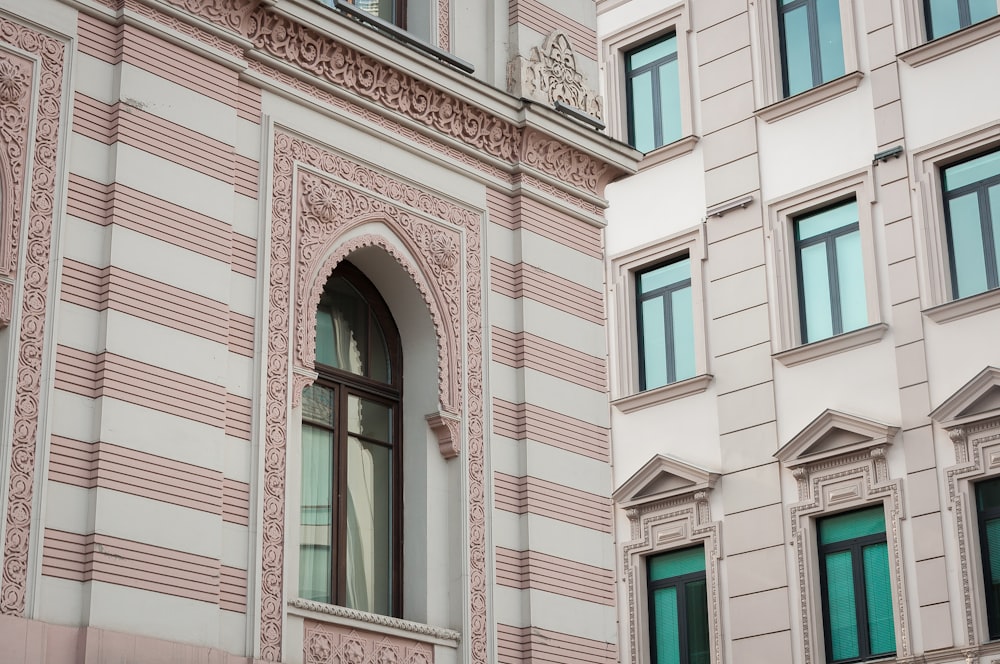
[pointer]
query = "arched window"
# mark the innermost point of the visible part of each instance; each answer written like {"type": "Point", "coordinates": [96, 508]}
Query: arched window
{"type": "Point", "coordinates": [351, 510]}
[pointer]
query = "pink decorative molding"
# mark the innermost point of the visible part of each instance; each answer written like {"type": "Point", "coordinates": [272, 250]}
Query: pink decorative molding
{"type": "Point", "coordinates": [444, 24]}
{"type": "Point", "coordinates": [233, 15]}
{"type": "Point", "coordinates": [288, 151]}
{"type": "Point", "coordinates": [328, 210]}
{"type": "Point", "coordinates": [15, 110]}
{"type": "Point", "coordinates": [448, 432]}
{"type": "Point", "coordinates": [565, 162]}
{"type": "Point", "coordinates": [6, 303]}
{"type": "Point", "coordinates": [333, 644]}
{"type": "Point", "coordinates": [41, 183]}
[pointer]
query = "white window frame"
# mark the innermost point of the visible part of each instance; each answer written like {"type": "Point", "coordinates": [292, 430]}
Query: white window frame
{"type": "Point", "coordinates": [614, 46]}
{"type": "Point", "coordinates": [929, 220]}
{"type": "Point", "coordinates": [625, 334]}
{"type": "Point", "coordinates": [783, 281]}
{"type": "Point", "coordinates": [772, 104]}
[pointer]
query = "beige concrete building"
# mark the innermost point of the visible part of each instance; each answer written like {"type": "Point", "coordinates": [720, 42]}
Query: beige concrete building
{"type": "Point", "coordinates": [804, 324]}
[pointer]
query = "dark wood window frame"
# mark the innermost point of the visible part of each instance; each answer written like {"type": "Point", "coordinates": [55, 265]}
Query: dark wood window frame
{"type": "Point", "coordinates": [654, 72]}
{"type": "Point", "coordinates": [665, 293]}
{"type": "Point", "coordinates": [345, 384]}
{"type": "Point", "coordinates": [855, 546]}
{"type": "Point", "coordinates": [829, 238]}
{"type": "Point", "coordinates": [980, 187]}
{"type": "Point", "coordinates": [985, 516]}
{"type": "Point", "coordinates": [680, 583]}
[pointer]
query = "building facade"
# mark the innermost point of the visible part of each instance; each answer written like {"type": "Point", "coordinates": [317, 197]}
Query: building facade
{"type": "Point", "coordinates": [803, 319]}
{"type": "Point", "coordinates": [302, 332]}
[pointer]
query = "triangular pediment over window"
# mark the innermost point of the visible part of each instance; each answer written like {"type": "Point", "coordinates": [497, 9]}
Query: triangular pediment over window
{"type": "Point", "coordinates": [977, 400]}
{"type": "Point", "coordinates": [832, 434]}
{"type": "Point", "coordinates": [663, 477]}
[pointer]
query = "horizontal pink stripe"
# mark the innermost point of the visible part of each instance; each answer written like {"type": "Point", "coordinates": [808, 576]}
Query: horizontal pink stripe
{"type": "Point", "coordinates": [527, 214]}
{"type": "Point", "coordinates": [542, 645]}
{"type": "Point", "coordinates": [89, 200]}
{"type": "Point", "coordinates": [179, 66]}
{"type": "Point", "coordinates": [241, 334]}
{"type": "Point", "coordinates": [239, 414]}
{"type": "Point", "coordinates": [248, 102]}
{"type": "Point", "coordinates": [244, 255]}
{"type": "Point", "coordinates": [247, 172]}
{"type": "Point", "coordinates": [98, 39]}
{"type": "Point", "coordinates": [555, 501]}
{"type": "Point", "coordinates": [233, 589]}
{"type": "Point", "coordinates": [539, 571]}
{"type": "Point", "coordinates": [523, 280]}
{"type": "Point", "coordinates": [545, 20]}
{"type": "Point", "coordinates": [522, 349]}
{"type": "Point", "coordinates": [235, 501]}
{"type": "Point", "coordinates": [527, 421]}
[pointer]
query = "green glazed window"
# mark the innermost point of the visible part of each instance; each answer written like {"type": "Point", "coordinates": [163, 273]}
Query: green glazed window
{"type": "Point", "coordinates": [678, 607]}
{"type": "Point", "coordinates": [972, 220]}
{"type": "Point", "coordinates": [665, 323]}
{"type": "Point", "coordinates": [988, 509]}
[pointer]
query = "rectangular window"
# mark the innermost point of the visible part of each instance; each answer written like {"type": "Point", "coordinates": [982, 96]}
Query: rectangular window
{"type": "Point", "coordinates": [812, 48]}
{"type": "Point", "coordinates": [944, 17]}
{"type": "Point", "coordinates": [831, 276]}
{"type": "Point", "coordinates": [665, 321]}
{"type": "Point", "coordinates": [652, 88]}
{"type": "Point", "coordinates": [988, 507]}
{"type": "Point", "coordinates": [971, 192]}
{"type": "Point", "coordinates": [855, 586]}
{"type": "Point", "coordinates": [678, 607]}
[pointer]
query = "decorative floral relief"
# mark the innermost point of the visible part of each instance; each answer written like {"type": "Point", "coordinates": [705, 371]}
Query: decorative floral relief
{"type": "Point", "coordinates": [287, 152]}
{"type": "Point", "coordinates": [50, 53]}
{"type": "Point", "coordinates": [15, 101]}
{"type": "Point", "coordinates": [550, 74]}
{"type": "Point", "coordinates": [6, 303]}
{"type": "Point", "coordinates": [332, 644]}
{"type": "Point", "coordinates": [232, 15]}
{"type": "Point", "coordinates": [565, 162]}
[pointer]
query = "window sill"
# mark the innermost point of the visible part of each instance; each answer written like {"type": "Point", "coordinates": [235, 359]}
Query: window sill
{"type": "Point", "coordinates": [809, 98]}
{"type": "Point", "coordinates": [665, 153]}
{"type": "Point", "coordinates": [951, 43]}
{"type": "Point", "coordinates": [832, 346]}
{"type": "Point", "coordinates": [967, 306]}
{"type": "Point", "coordinates": [681, 388]}
{"type": "Point", "coordinates": [354, 619]}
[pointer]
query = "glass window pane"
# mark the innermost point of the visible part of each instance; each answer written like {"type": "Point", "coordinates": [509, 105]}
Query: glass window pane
{"type": "Point", "coordinates": [683, 333]}
{"type": "Point", "coordinates": [851, 273]}
{"type": "Point", "coordinates": [654, 344]}
{"type": "Point", "coordinates": [980, 10]}
{"type": "Point", "coordinates": [641, 112]}
{"type": "Point", "coordinates": [831, 47]}
{"type": "Point", "coordinates": [670, 102]}
{"type": "Point", "coordinates": [316, 515]}
{"type": "Point", "coordinates": [968, 258]}
{"type": "Point", "coordinates": [974, 170]}
{"type": "Point", "coordinates": [696, 615]}
{"type": "Point", "coordinates": [993, 193]}
{"type": "Point", "coordinates": [369, 418]}
{"type": "Point", "coordinates": [663, 48]}
{"type": "Point", "coordinates": [369, 526]}
{"type": "Point", "coordinates": [676, 563]}
{"type": "Point", "coordinates": [841, 608]}
{"type": "Point", "coordinates": [943, 17]}
{"type": "Point", "coordinates": [318, 405]}
{"type": "Point", "coordinates": [827, 219]}
{"type": "Point", "coordinates": [667, 633]}
{"type": "Point", "coordinates": [993, 544]}
{"type": "Point", "coordinates": [851, 525]}
{"type": "Point", "coordinates": [349, 320]}
{"type": "Point", "coordinates": [325, 350]}
{"type": "Point", "coordinates": [988, 495]}
{"type": "Point", "coordinates": [665, 275]}
{"type": "Point", "coordinates": [878, 596]}
{"type": "Point", "coordinates": [798, 62]}
{"type": "Point", "coordinates": [815, 295]}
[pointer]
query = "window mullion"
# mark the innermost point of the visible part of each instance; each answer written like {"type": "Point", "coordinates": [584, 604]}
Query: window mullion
{"type": "Point", "coordinates": [682, 639]}
{"type": "Point", "coordinates": [964, 14]}
{"type": "Point", "coordinates": [814, 48]}
{"type": "Point", "coordinates": [989, 244]}
{"type": "Point", "coordinates": [654, 80]}
{"type": "Point", "coordinates": [833, 276]}
{"type": "Point", "coordinates": [340, 494]}
{"type": "Point", "coordinates": [860, 599]}
{"type": "Point", "coordinates": [668, 336]}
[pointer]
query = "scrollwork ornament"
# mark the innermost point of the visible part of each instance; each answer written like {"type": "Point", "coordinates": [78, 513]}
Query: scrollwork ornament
{"type": "Point", "coordinates": [13, 82]}
{"type": "Point", "coordinates": [550, 74]}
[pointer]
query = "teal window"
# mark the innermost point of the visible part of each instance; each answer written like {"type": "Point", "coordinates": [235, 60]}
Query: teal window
{"type": "Point", "coordinates": [665, 324]}
{"type": "Point", "coordinates": [830, 272]}
{"type": "Point", "coordinates": [350, 532]}
{"type": "Point", "coordinates": [856, 591]}
{"type": "Point", "coordinates": [678, 607]}
{"type": "Point", "coordinates": [988, 508]}
{"type": "Point", "coordinates": [812, 47]}
{"type": "Point", "coordinates": [946, 16]}
{"type": "Point", "coordinates": [972, 218]}
{"type": "Point", "coordinates": [653, 95]}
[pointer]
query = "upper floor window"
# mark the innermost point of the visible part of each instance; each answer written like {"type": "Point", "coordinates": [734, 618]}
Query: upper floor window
{"type": "Point", "coordinates": [946, 16]}
{"type": "Point", "coordinates": [653, 94]}
{"type": "Point", "coordinates": [665, 318]}
{"type": "Point", "coordinates": [351, 514]}
{"type": "Point", "coordinates": [988, 508]}
{"type": "Point", "coordinates": [855, 586]}
{"type": "Point", "coordinates": [812, 48]}
{"type": "Point", "coordinates": [831, 276]}
{"type": "Point", "coordinates": [971, 191]}
{"type": "Point", "coordinates": [392, 11]}
{"type": "Point", "coordinates": [678, 607]}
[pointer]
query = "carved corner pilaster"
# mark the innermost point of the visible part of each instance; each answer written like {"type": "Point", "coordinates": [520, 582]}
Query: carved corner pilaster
{"type": "Point", "coordinates": [881, 465]}
{"type": "Point", "coordinates": [447, 427]}
{"type": "Point", "coordinates": [801, 475]}
{"type": "Point", "coordinates": [550, 74]}
{"type": "Point", "coordinates": [301, 379]}
{"type": "Point", "coordinates": [6, 302]}
{"type": "Point", "coordinates": [960, 439]}
{"type": "Point", "coordinates": [703, 512]}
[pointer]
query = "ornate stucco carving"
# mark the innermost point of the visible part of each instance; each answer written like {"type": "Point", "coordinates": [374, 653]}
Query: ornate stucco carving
{"type": "Point", "coordinates": [333, 644]}
{"type": "Point", "coordinates": [447, 429]}
{"type": "Point", "coordinates": [41, 185]}
{"type": "Point", "coordinates": [289, 151]}
{"type": "Point", "coordinates": [15, 101]}
{"type": "Point", "coordinates": [565, 162]}
{"type": "Point", "coordinates": [6, 302]}
{"type": "Point", "coordinates": [550, 74]}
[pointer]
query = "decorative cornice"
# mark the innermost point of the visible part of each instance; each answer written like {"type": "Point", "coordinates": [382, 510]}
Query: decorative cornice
{"type": "Point", "coordinates": [378, 620]}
